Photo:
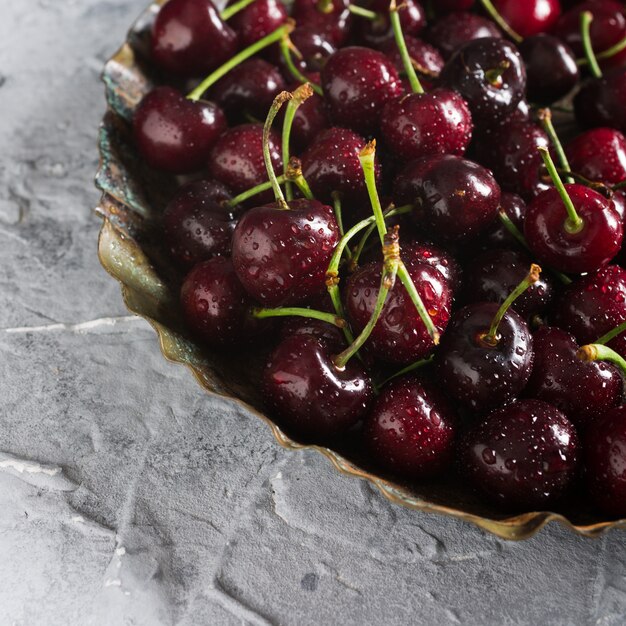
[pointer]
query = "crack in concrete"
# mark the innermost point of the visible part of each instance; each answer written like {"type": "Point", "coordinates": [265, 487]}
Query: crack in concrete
{"type": "Point", "coordinates": [78, 328]}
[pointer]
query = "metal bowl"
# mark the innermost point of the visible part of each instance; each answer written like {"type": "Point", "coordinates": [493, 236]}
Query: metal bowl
{"type": "Point", "coordinates": [132, 198]}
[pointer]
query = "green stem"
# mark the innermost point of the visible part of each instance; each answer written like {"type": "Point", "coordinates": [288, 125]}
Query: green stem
{"type": "Point", "coordinates": [613, 50]}
{"type": "Point", "coordinates": [414, 81]}
{"type": "Point", "coordinates": [367, 157]}
{"type": "Point", "coordinates": [545, 117]}
{"type": "Point", "coordinates": [499, 20]}
{"type": "Point", "coordinates": [279, 100]}
{"type": "Point", "coordinates": [249, 193]}
{"type": "Point", "coordinates": [361, 12]}
{"type": "Point", "coordinates": [586, 17]}
{"type": "Point", "coordinates": [409, 368]}
{"type": "Point", "coordinates": [574, 223]}
{"type": "Point", "coordinates": [618, 330]}
{"type": "Point", "coordinates": [409, 285]}
{"type": "Point", "coordinates": [268, 40]}
{"type": "Point", "coordinates": [336, 196]}
{"type": "Point", "coordinates": [491, 338]}
{"type": "Point", "coordinates": [262, 313]}
{"type": "Point", "coordinates": [228, 12]}
{"type": "Point", "coordinates": [303, 186]}
{"type": "Point", "coordinates": [599, 352]}
{"type": "Point", "coordinates": [285, 50]}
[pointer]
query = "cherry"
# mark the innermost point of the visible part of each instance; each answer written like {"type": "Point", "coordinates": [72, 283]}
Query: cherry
{"type": "Point", "coordinates": [497, 235]}
{"type": "Point", "coordinates": [529, 18]}
{"type": "Point", "coordinates": [551, 69]}
{"type": "Point", "coordinates": [453, 198]}
{"type": "Point", "coordinates": [605, 461]}
{"type": "Point", "coordinates": [491, 276]}
{"type": "Point", "coordinates": [249, 88]}
{"type": "Point", "coordinates": [309, 393]}
{"type": "Point", "coordinates": [594, 305]}
{"type": "Point", "coordinates": [399, 335]}
{"type": "Point", "coordinates": [411, 428]}
{"type": "Point", "coordinates": [314, 47]}
{"type": "Point", "coordinates": [522, 456]}
{"type": "Point", "coordinates": [316, 328]}
{"type": "Point", "coordinates": [330, 17]}
{"type": "Point", "coordinates": [257, 20]}
{"type": "Point", "coordinates": [196, 223]}
{"type": "Point", "coordinates": [600, 102]}
{"type": "Point", "coordinates": [438, 258]}
{"type": "Point", "coordinates": [490, 75]}
{"type": "Point", "coordinates": [584, 391]}
{"type": "Point", "coordinates": [176, 134]}
{"type": "Point", "coordinates": [421, 124]}
{"type": "Point", "coordinates": [237, 160]}
{"type": "Point", "coordinates": [425, 58]}
{"type": "Point", "coordinates": [217, 308]}
{"type": "Point", "coordinates": [310, 121]}
{"type": "Point", "coordinates": [357, 82]}
{"type": "Point", "coordinates": [190, 39]}
{"type": "Point", "coordinates": [599, 155]}
{"type": "Point", "coordinates": [375, 33]}
{"type": "Point", "coordinates": [449, 33]}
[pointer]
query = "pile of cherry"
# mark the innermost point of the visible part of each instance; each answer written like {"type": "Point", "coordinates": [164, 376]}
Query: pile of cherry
{"type": "Point", "coordinates": [375, 196]}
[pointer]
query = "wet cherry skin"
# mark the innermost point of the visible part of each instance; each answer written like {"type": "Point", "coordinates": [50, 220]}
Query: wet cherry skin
{"type": "Point", "coordinates": [309, 393]}
{"type": "Point", "coordinates": [280, 255]}
{"type": "Point", "coordinates": [497, 236]}
{"type": "Point", "coordinates": [314, 46]}
{"type": "Point", "coordinates": [478, 375]}
{"type": "Point", "coordinates": [450, 32]}
{"type": "Point", "coordinates": [600, 102]}
{"type": "Point", "coordinates": [217, 308]}
{"type": "Point", "coordinates": [599, 155]}
{"type": "Point", "coordinates": [257, 20]}
{"type": "Point", "coordinates": [586, 251]}
{"type": "Point", "coordinates": [375, 33]}
{"type": "Point", "coordinates": [190, 39]}
{"type": "Point", "coordinates": [426, 59]}
{"type": "Point", "coordinates": [357, 83]}
{"type": "Point", "coordinates": [441, 260]}
{"type": "Point", "coordinates": [605, 461]}
{"type": "Point", "coordinates": [335, 20]}
{"type": "Point", "coordinates": [399, 336]}
{"type": "Point", "coordinates": [453, 198]}
{"type": "Point", "coordinates": [173, 133]}
{"type": "Point", "coordinates": [196, 224]}
{"type": "Point", "coordinates": [237, 160]}
{"type": "Point", "coordinates": [583, 390]}
{"type": "Point", "coordinates": [411, 429]}
{"type": "Point", "coordinates": [522, 456]}
{"type": "Point", "coordinates": [297, 325]}
{"type": "Point", "coordinates": [435, 122]}
{"type": "Point", "coordinates": [531, 17]}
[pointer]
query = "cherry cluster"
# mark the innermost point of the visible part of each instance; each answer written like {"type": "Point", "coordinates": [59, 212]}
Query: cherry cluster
{"type": "Point", "coordinates": [374, 196]}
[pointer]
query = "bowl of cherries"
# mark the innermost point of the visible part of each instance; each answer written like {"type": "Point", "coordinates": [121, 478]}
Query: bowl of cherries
{"type": "Point", "coordinates": [394, 232]}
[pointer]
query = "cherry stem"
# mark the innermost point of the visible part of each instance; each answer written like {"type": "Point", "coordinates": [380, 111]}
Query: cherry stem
{"type": "Point", "coordinates": [586, 17]}
{"type": "Point", "coordinates": [618, 330]}
{"type": "Point", "coordinates": [253, 191]}
{"type": "Point", "coordinates": [491, 338]}
{"type": "Point", "coordinates": [367, 158]}
{"type": "Point", "coordinates": [391, 261]}
{"type": "Point", "coordinates": [409, 285]}
{"type": "Point", "coordinates": [545, 117]}
{"type": "Point", "coordinates": [361, 12]}
{"type": "Point", "coordinates": [414, 81]}
{"type": "Point", "coordinates": [336, 196]}
{"type": "Point", "coordinates": [289, 311]}
{"type": "Point", "coordinates": [286, 48]}
{"type": "Point", "coordinates": [494, 75]}
{"type": "Point", "coordinates": [574, 223]}
{"type": "Point", "coordinates": [299, 95]}
{"type": "Point", "coordinates": [409, 368]}
{"type": "Point", "coordinates": [599, 352]}
{"type": "Point", "coordinates": [500, 21]}
{"type": "Point", "coordinates": [325, 6]}
{"type": "Point", "coordinates": [279, 100]}
{"type": "Point", "coordinates": [228, 12]}
{"type": "Point", "coordinates": [246, 53]}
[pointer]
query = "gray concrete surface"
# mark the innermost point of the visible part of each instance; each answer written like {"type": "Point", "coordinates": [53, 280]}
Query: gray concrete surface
{"type": "Point", "coordinates": [127, 495]}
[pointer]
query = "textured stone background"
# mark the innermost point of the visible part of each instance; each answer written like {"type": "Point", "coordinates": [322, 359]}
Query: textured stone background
{"type": "Point", "coordinates": [127, 495]}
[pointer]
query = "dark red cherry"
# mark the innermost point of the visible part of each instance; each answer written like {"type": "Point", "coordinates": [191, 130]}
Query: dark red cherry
{"type": "Point", "coordinates": [426, 59]}
{"type": "Point", "coordinates": [249, 88]}
{"type": "Point", "coordinates": [257, 20]}
{"type": "Point", "coordinates": [280, 255]}
{"type": "Point", "coordinates": [310, 121]}
{"type": "Point", "coordinates": [217, 308]}
{"type": "Point", "coordinates": [583, 390]}
{"type": "Point", "coordinates": [551, 70]}
{"type": "Point", "coordinates": [190, 39]}
{"type": "Point", "coordinates": [522, 456]}
{"type": "Point", "coordinates": [497, 236]}
{"type": "Point", "coordinates": [176, 134]}
{"type": "Point", "coordinates": [411, 429]}
{"type": "Point", "coordinates": [331, 163]}
{"type": "Point", "coordinates": [237, 160]}
{"type": "Point", "coordinates": [530, 17]}
{"type": "Point", "coordinates": [593, 305]}
{"type": "Point", "coordinates": [314, 47]}
{"type": "Point", "coordinates": [357, 83]}
{"type": "Point", "coordinates": [450, 32]}
{"type": "Point", "coordinates": [453, 198]}
{"type": "Point", "coordinates": [312, 396]}
{"type": "Point", "coordinates": [475, 373]}
{"type": "Point", "coordinates": [442, 261]}
{"type": "Point", "coordinates": [330, 17]}
{"type": "Point", "coordinates": [607, 29]}
{"type": "Point", "coordinates": [492, 276]}
{"type": "Point", "coordinates": [600, 102]}
{"type": "Point", "coordinates": [297, 325]}
{"type": "Point", "coordinates": [553, 242]}
{"type": "Point", "coordinates": [196, 224]}
{"type": "Point", "coordinates": [599, 155]}
{"type": "Point", "coordinates": [421, 124]}
{"type": "Point", "coordinates": [605, 462]}
{"type": "Point", "coordinates": [490, 75]}
{"type": "Point", "coordinates": [374, 33]}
